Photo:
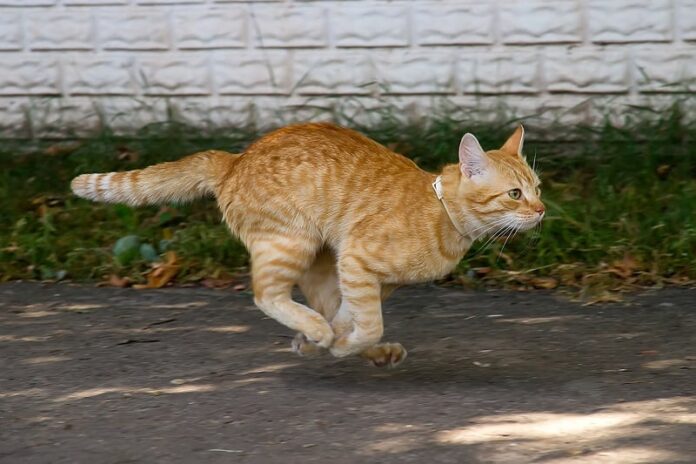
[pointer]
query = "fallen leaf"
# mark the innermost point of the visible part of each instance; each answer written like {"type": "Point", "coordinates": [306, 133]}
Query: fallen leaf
{"type": "Point", "coordinates": [481, 271]}
{"type": "Point", "coordinates": [544, 282]}
{"type": "Point", "coordinates": [517, 276]}
{"type": "Point", "coordinates": [570, 274]}
{"type": "Point", "coordinates": [605, 297]}
{"type": "Point", "coordinates": [116, 281]}
{"type": "Point", "coordinates": [43, 203]}
{"type": "Point", "coordinates": [625, 267]}
{"type": "Point", "coordinates": [128, 155]}
{"type": "Point", "coordinates": [507, 258]}
{"type": "Point", "coordinates": [679, 280]}
{"type": "Point", "coordinates": [222, 282]}
{"type": "Point", "coordinates": [62, 148]}
{"type": "Point", "coordinates": [11, 248]}
{"type": "Point", "coordinates": [162, 273]}
{"type": "Point", "coordinates": [663, 171]}
{"type": "Point", "coordinates": [42, 210]}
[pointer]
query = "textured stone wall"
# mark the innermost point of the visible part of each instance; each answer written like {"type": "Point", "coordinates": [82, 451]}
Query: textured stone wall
{"type": "Point", "coordinates": [75, 65]}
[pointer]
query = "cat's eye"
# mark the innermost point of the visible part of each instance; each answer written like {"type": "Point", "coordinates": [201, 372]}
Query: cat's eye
{"type": "Point", "coordinates": [515, 194]}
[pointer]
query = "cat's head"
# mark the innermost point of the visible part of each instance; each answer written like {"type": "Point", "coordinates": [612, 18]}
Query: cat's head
{"type": "Point", "coordinates": [498, 188]}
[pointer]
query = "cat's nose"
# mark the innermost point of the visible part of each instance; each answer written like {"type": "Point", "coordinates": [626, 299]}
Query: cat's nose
{"type": "Point", "coordinates": [540, 209]}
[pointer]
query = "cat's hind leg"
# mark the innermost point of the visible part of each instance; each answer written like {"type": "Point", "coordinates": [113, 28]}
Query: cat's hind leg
{"type": "Point", "coordinates": [277, 264]}
{"type": "Point", "coordinates": [319, 285]}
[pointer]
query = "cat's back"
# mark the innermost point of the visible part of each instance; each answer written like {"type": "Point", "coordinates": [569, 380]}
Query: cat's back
{"type": "Point", "coordinates": [317, 175]}
{"type": "Point", "coordinates": [320, 146]}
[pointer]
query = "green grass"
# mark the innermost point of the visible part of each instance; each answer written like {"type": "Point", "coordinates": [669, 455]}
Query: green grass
{"type": "Point", "coordinates": [612, 192]}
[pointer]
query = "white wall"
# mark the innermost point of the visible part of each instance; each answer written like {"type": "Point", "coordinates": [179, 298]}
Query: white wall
{"type": "Point", "coordinates": [76, 64]}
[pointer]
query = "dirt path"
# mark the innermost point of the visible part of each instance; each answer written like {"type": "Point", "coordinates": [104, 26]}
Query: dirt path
{"type": "Point", "coordinates": [199, 376]}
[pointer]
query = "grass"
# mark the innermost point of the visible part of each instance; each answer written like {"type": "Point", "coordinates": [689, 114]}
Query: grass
{"type": "Point", "coordinates": [620, 202]}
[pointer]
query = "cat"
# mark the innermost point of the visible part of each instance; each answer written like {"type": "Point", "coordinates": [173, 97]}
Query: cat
{"type": "Point", "coordinates": [344, 218]}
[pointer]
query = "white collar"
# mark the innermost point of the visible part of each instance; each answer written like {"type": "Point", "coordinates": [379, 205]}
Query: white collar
{"type": "Point", "coordinates": [437, 186]}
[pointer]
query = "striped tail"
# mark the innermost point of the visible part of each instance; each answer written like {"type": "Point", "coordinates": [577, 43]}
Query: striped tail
{"type": "Point", "coordinates": [178, 181]}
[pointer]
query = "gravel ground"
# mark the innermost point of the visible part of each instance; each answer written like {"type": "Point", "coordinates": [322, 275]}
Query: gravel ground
{"type": "Point", "coordinates": [189, 375]}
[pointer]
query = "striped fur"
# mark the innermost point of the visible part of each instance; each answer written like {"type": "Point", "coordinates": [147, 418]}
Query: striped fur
{"type": "Point", "coordinates": [343, 218]}
{"type": "Point", "coordinates": [179, 181]}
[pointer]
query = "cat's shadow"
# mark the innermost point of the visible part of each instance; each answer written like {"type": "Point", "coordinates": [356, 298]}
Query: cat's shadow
{"type": "Point", "coordinates": [425, 368]}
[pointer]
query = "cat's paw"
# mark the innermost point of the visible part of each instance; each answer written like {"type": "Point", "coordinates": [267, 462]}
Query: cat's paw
{"type": "Point", "coordinates": [321, 334]}
{"type": "Point", "coordinates": [385, 354]}
{"type": "Point", "coordinates": [303, 347]}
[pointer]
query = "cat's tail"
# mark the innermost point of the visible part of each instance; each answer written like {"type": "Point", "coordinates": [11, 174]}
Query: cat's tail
{"type": "Point", "coordinates": [189, 178]}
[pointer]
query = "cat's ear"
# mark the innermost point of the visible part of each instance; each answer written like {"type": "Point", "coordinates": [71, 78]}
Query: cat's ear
{"type": "Point", "coordinates": [472, 159]}
{"type": "Point", "coordinates": [514, 144]}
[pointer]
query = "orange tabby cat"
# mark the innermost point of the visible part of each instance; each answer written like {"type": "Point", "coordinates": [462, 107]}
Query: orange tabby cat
{"type": "Point", "coordinates": [344, 218]}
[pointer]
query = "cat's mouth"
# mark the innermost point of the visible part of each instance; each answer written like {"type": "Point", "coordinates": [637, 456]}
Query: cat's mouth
{"type": "Point", "coordinates": [509, 232]}
{"type": "Point", "coordinates": [529, 223]}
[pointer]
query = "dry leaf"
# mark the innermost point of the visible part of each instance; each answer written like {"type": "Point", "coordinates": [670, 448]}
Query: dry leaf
{"type": "Point", "coordinates": [481, 271]}
{"type": "Point", "coordinates": [43, 203]}
{"type": "Point", "coordinates": [11, 248]}
{"type": "Point", "coordinates": [544, 282]}
{"type": "Point", "coordinates": [625, 267]}
{"type": "Point", "coordinates": [224, 282]}
{"type": "Point", "coordinates": [42, 210]}
{"type": "Point", "coordinates": [663, 171]}
{"type": "Point", "coordinates": [679, 280]}
{"type": "Point", "coordinates": [605, 297]}
{"type": "Point", "coordinates": [116, 281]}
{"type": "Point", "coordinates": [162, 273]}
{"type": "Point", "coordinates": [507, 258]}
{"type": "Point", "coordinates": [517, 276]}
{"type": "Point", "coordinates": [125, 154]}
{"type": "Point", "coordinates": [61, 148]}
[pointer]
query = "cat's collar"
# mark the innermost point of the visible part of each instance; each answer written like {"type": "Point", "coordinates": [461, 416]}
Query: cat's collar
{"type": "Point", "coordinates": [437, 186]}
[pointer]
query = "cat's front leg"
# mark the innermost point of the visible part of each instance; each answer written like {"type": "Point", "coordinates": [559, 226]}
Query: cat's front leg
{"type": "Point", "coordinates": [385, 354]}
{"type": "Point", "coordinates": [358, 323]}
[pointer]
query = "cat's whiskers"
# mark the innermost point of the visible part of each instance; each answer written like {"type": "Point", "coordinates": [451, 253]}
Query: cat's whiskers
{"type": "Point", "coordinates": [514, 232]}
{"type": "Point", "coordinates": [499, 233]}
{"type": "Point", "coordinates": [532, 239]}
{"type": "Point", "coordinates": [496, 236]}
{"type": "Point", "coordinates": [489, 227]}
{"type": "Point", "coordinates": [534, 161]}
{"type": "Point", "coordinates": [492, 237]}
{"type": "Point", "coordinates": [500, 228]}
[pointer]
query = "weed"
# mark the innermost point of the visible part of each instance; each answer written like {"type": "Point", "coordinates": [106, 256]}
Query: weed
{"type": "Point", "coordinates": [614, 192]}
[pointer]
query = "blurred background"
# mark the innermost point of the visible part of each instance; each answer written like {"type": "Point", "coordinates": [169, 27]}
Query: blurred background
{"type": "Point", "coordinates": [604, 89]}
{"type": "Point", "coordinates": [76, 66]}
